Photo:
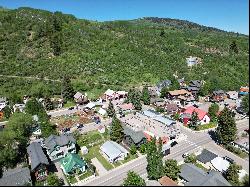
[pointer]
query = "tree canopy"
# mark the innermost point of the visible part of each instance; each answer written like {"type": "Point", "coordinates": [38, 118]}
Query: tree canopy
{"type": "Point", "coordinates": [133, 179]}
{"type": "Point", "coordinates": [116, 130]}
{"type": "Point", "coordinates": [171, 169]}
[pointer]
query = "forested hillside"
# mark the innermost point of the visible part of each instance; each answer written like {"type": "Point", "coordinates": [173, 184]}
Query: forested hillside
{"type": "Point", "coordinates": [117, 54]}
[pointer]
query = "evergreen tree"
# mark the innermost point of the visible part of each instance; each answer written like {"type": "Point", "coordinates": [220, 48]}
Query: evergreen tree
{"type": "Point", "coordinates": [226, 130]}
{"type": "Point", "coordinates": [133, 179]}
{"type": "Point", "coordinates": [67, 88]}
{"type": "Point", "coordinates": [232, 174]}
{"type": "Point", "coordinates": [116, 130]}
{"type": "Point", "coordinates": [171, 169]}
{"type": "Point", "coordinates": [145, 96]}
{"type": "Point", "coordinates": [33, 107]}
{"type": "Point", "coordinates": [136, 101]}
{"type": "Point", "coordinates": [111, 110]}
{"type": "Point", "coordinates": [7, 112]}
{"type": "Point", "coordinates": [48, 104]}
{"type": "Point", "coordinates": [245, 103]}
{"type": "Point", "coordinates": [154, 159]}
{"type": "Point", "coordinates": [164, 92]}
{"type": "Point", "coordinates": [212, 112]}
{"type": "Point", "coordinates": [194, 120]}
{"type": "Point", "coordinates": [234, 47]}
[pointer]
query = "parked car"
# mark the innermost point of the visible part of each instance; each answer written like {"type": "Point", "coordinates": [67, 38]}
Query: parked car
{"type": "Point", "coordinates": [228, 159]}
{"type": "Point", "coordinates": [185, 155]}
{"type": "Point", "coordinates": [173, 143]}
{"type": "Point", "coordinates": [71, 108]}
{"type": "Point", "coordinates": [79, 126]}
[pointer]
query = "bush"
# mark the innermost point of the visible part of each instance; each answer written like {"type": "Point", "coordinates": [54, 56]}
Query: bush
{"type": "Point", "coordinates": [159, 109]}
{"type": "Point", "coordinates": [142, 149]}
{"type": "Point", "coordinates": [236, 150]}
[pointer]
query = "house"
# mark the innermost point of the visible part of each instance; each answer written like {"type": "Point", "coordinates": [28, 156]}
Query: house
{"type": "Point", "coordinates": [218, 96]}
{"type": "Point", "coordinates": [166, 181]}
{"type": "Point", "coordinates": [150, 113]}
{"type": "Point", "coordinates": [232, 95]}
{"type": "Point", "coordinates": [126, 107]}
{"type": "Point", "coordinates": [156, 100]}
{"type": "Point", "coordinates": [71, 163]}
{"type": "Point", "coordinates": [19, 107]}
{"type": "Point", "coordinates": [191, 175]}
{"type": "Point", "coordinates": [162, 84]}
{"type": "Point", "coordinates": [182, 83]}
{"type": "Point", "coordinates": [205, 158]}
{"type": "Point", "coordinates": [191, 61]}
{"type": "Point", "coordinates": [244, 90]}
{"type": "Point", "coordinates": [171, 108]}
{"type": "Point", "coordinates": [133, 137]}
{"type": "Point", "coordinates": [16, 177]}
{"type": "Point", "coordinates": [194, 86]}
{"type": "Point", "coordinates": [242, 143]}
{"type": "Point", "coordinates": [58, 146]}
{"type": "Point", "coordinates": [113, 151]}
{"type": "Point", "coordinates": [102, 111]}
{"type": "Point", "coordinates": [114, 95]}
{"type": "Point", "coordinates": [38, 161]}
{"type": "Point", "coordinates": [3, 103]}
{"type": "Point", "coordinates": [80, 98]}
{"type": "Point", "coordinates": [220, 164]}
{"type": "Point", "coordinates": [153, 91]}
{"type": "Point", "coordinates": [202, 115]}
{"type": "Point", "coordinates": [176, 93]}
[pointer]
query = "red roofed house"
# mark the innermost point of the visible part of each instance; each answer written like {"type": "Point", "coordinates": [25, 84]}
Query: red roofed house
{"type": "Point", "coordinates": [126, 107]}
{"type": "Point", "coordinates": [202, 115]}
{"type": "Point", "coordinates": [149, 136]}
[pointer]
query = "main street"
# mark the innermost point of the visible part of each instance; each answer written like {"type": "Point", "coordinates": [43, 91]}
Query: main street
{"type": "Point", "coordinates": [194, 142]}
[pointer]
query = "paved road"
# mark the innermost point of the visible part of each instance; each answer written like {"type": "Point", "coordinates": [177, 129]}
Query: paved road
{"type": "Point", "coordinates": [195, 142]}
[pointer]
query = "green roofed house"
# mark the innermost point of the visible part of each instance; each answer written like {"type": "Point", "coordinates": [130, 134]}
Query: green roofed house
{"type": "Point", "coordinates": [71, 163]}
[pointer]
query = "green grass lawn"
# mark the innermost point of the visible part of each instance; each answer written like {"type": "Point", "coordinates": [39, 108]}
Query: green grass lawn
{"type": "Point", "coordinates": [94, 152]}
{"type": "Point", "coordinates": [131, 157]}
{"type": "Point", "coordinates": [118, 163]}
{"type": "Point", "coordinates": [206, 126]}
{"type": "Point", "coordinates": [71, 179]}
{"type": "Point", "coordinates": [201, 166]}
{"type": "Point", "coordinates": [85, 175]}
{"type": "Point", "coordinates": [69, 104]}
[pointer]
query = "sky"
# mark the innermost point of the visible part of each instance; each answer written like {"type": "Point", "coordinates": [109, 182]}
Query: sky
{"type": "Point", "coordinates": [228, 15]}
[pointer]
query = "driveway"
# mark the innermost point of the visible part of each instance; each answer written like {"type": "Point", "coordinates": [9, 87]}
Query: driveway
{"type": "Point", "coordinates": [99, 167]}
{"type": "Point", "coordinates": [60, 174]}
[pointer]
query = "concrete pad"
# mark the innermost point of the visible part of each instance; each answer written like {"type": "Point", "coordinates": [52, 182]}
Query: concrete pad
{"type": "Point", "coordinates": [99, 167]}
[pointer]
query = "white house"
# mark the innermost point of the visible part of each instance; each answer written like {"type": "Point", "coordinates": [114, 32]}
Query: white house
{"type": "Point", "coordinates": [232, 95]}
{"type": "Point", "coordinates": [202, 115]}
{"type": "Point", "coordinates": [58, 146]}
{"type": "Point", "coordinates": [113, 151]}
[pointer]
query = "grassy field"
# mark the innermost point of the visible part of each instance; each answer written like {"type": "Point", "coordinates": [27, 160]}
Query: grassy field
{"type": "Point", "coordinates": [69, 104]}
{"type": "Point", "coordinates": [130, 157]}
{"type": "Point", "coordinates": [206, 126]}
{"type": "Point", "coordinates": [85, 175]}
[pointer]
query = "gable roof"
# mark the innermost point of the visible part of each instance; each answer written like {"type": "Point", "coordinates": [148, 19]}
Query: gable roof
{"type": "Point", "coordinates": [16, 177]}
{"type": "Point", "coordinates": [77, 95]}
{"type": "Point", "coordinates": [179, 92]}
{"type": "Point", "coordinates": [201, 113]}
{"type": "Point", "coordinates": [206, 156]}
{"type": "Point", "coordinates": [72, 160]}
{"type": "Point", "coordinates": [36, 155]}
{"type": "Point", "coordinates": [195, 83]}
{"type": "Point", "coordinates": [164, 120]}
{"type": "Point", "coordinates": [218, 92]}
{"type": "Point", "coordinates": [136, 136]}
{"type": "Point", "coordinates": [126, 106]}
{"type": "Point", "coordinates": [112, 149]}
{"type": "Point", "coordinates": [52, 141]}
{"type": "Point", "coordinates": [190, 172]}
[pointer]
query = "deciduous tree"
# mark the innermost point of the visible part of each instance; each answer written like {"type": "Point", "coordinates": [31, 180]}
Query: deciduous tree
{"type": "Point", "coordinates": [133, 179]}
{"type": "Point", "coordinates": [145, 96]}
{"type": "Point", "coordinates": [212, 112]}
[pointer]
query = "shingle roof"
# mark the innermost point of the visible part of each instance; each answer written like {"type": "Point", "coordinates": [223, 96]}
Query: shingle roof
{"type": "Point", "coordinates": [136, 136]}
{"type": "Point", "coordinates": [72, 160]}
{"type": "Point", "coordinates": [52, 141]}
{"type": "Point", "coordinates": [15, 177]}
{"type": "Point", "coordinates": [36, 155]}
{"type": "Point", "coordinates": [197, 177]}
{"type": "Point", "coordinates": [171, 107]}
{"type": "Point", "coordinates": [206, 156]}
{"type": "Point", "coordinates": [179, 92]}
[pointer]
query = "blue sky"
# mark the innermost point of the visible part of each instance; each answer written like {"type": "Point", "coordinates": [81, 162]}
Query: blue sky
{"type": "Point", "coordinates": [229, 15]}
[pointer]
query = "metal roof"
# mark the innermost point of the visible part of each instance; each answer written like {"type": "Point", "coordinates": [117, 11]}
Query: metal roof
{"type": "Point", "coordinates": [206, 156]}
{"type": "Point", "coordinates": [112, 149]}
{"type": "Point", "coordinates": [164, 120]}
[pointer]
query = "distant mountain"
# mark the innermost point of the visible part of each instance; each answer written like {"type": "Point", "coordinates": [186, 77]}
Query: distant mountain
{"type": "Point", "coordinates": [115, 54]}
